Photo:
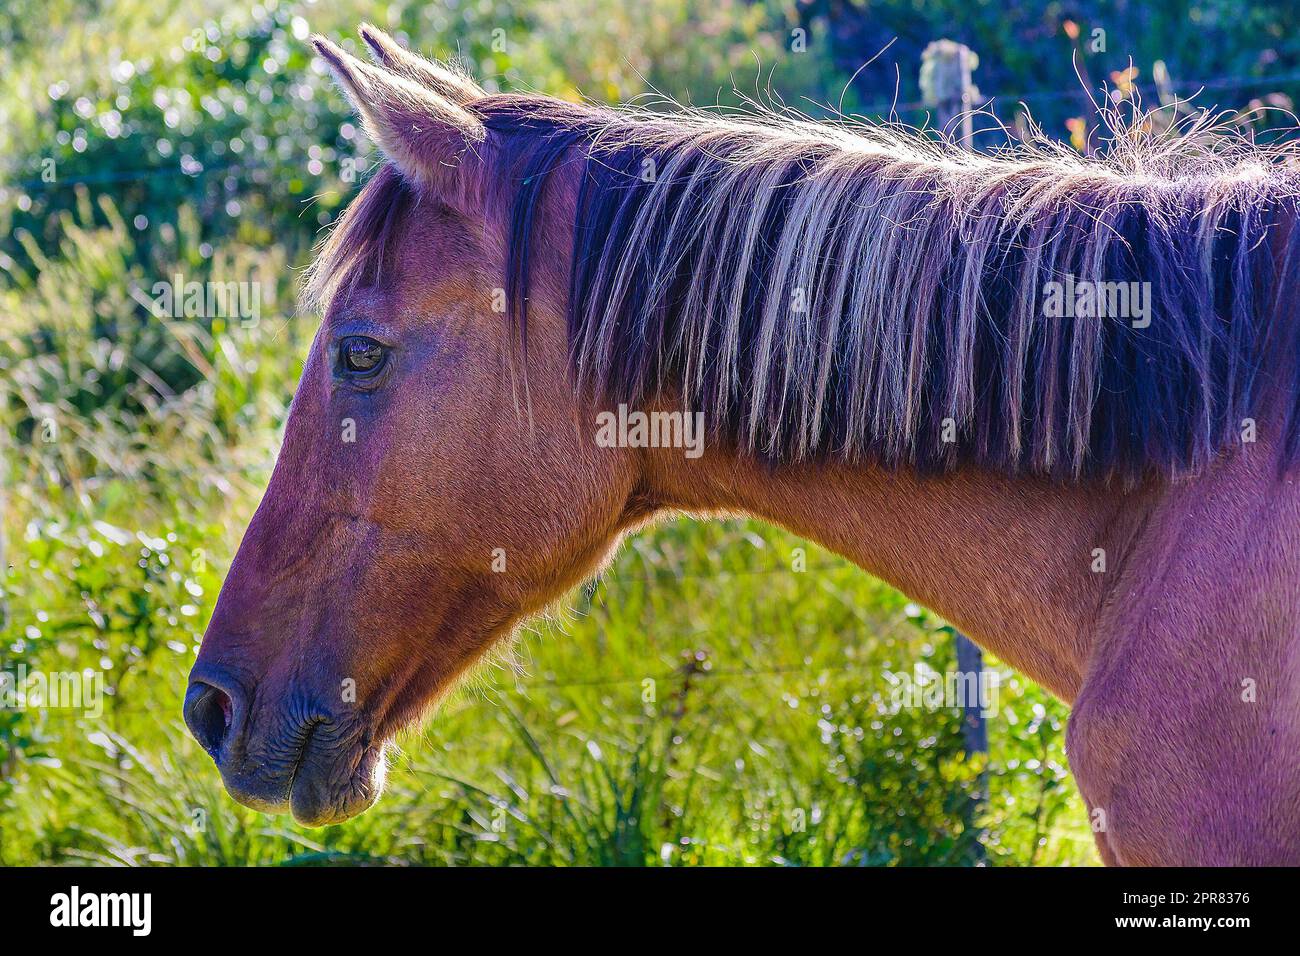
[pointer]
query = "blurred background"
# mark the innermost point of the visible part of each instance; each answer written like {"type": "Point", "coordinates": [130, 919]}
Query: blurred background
{"type": "Point", "coordinates": [726, 694]}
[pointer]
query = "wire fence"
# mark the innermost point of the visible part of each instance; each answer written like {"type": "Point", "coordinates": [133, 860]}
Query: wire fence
{"type": "Point", "coordinates": [54, 621]}
{"type": "Point", "coordinates": [1080, 92]}
{"type": "Point", "coordinates": [671, 679]}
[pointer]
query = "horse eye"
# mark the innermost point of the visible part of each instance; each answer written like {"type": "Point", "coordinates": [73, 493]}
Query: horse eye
{"type": "Point", "coordinates": [360, 354]}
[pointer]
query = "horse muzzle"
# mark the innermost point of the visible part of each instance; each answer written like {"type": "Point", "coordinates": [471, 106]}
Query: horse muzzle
{"type": "Point", "coordinates": [318, 767]}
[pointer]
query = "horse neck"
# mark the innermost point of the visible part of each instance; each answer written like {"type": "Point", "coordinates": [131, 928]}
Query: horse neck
{"type": "Point", "coordinates": [1009, 561]}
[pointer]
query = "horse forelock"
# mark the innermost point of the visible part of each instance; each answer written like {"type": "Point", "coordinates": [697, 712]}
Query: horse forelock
{"type": "Point", "coordinates": [355, 250]}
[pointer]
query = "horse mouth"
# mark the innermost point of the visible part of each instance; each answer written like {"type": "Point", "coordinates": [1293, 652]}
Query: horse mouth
{"type": "Point", "coordinates": [330, 785]}
{"type": "Point", "coordinates": [329, 781]}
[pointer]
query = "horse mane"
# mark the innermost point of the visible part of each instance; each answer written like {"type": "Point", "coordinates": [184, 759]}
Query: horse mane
{"type": "Point", "coordinates": [354, 251]}
{"type": "Point", "coordinates": [871, 294]}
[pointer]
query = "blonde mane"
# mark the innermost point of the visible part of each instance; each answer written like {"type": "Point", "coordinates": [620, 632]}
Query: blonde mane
{"type": "Point", "coordinates": [874, 294]}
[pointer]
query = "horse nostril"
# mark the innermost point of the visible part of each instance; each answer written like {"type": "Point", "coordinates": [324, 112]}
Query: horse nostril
{"type": "Point", "coordinates": [208, 713]}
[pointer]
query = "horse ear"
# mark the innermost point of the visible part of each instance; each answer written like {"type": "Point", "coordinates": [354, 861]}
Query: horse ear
{"type": "Point", "coordinates": [430, 139]}
{"type": "Point", "coordinates": [445, 81]}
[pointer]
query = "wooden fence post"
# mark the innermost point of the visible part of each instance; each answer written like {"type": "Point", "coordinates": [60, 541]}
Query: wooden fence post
{"type": "Point", "coordinates": [947, 88]}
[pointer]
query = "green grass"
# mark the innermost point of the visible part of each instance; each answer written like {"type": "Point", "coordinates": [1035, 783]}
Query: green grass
{"type": "Point", "coordinates": [766, 737]}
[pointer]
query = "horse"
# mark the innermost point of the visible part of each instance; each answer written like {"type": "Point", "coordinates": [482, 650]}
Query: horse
{"type": "Point", "coordinates": [885, 341]}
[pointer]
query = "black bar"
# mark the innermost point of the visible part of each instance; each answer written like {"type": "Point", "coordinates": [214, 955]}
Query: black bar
{"type": "Point", "coordinates": [221, 906]}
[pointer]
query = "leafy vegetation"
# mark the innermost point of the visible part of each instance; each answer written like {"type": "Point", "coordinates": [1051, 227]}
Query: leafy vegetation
{"type": "Point", "coordinates": [703, 703]}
